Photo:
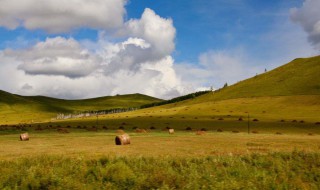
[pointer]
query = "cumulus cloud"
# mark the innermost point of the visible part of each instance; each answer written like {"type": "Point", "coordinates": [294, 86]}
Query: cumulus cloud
{"type": "Point", "coordinates": [308, 16]}
{"type": "Point", "coordinates": [62, 16]}
{"type": "Point", "coordinates": [56, 56]}
{"type": "Point", "coordinates": [157, 31]}
{"type": "Point", "coordinates": [66, 68]}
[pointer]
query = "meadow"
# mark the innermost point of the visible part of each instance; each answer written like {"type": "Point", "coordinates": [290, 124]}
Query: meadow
{"type": "Point", "coordinates": [84, 159]}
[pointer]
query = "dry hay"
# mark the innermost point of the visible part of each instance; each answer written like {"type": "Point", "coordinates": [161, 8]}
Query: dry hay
{"type": "Point", "coordinates": [255, 120]}
{"type": "Point", "coordinates": [203, 129]}
{"type": "Point", "coordinates": [310, 134]}
{"type": "Point", "coordinates": [235, 131]}
{"type": "Point", "coordinates": [24, 137]}
{"type": "Point", "coordinates": [171, 131]}
{"type": "Point", "coordinates": [152, 128]}
{"type": "Point", "coordinates": [123, 139]}
{"type": "Point", "coordinates": [317, 123]}
{"type": "Point", "coordinates": [200, 132]}
{"type": "Point", "coordinates": [122, 128]}
{"type": "Point", "coordinates": [301, 121]}
{"type": "Point", "coordinates": [188, 129]}
{"type": "Point", "coordinates": [294, 121]}
{"type": "Point", "coordinates": [240, 119]}
{"type": "Point", "coordinates": [62, 130]}
{"type": "Point", "coordinates": [220, 119]}
{"type": "Point", "coordinates": [278, 133]}
{"type": "Point", "coordinates": [120, 131]}
{"type": "Point", "coordinates": [254, 132]}
{"type": "Point", "coordinates": [219, 130]}
{"type": "Point", "coordinates": [140, 130]}
{"type": "Point", "coordinates": [282, 120]}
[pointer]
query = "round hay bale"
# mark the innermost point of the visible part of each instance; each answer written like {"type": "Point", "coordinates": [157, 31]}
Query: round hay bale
{"type": "Point", "coordinates": [171, 131]}
{"type": "Point", "coordinates": [219, 130]}
{"type": "Point", "coordinates": [140, 130]}
{"type": "Point", "coordinates": [24, 137]}
{"type": "Point", "coordinates": [123, 139]}
{"type": "Point", "coordinates": [200, 132]}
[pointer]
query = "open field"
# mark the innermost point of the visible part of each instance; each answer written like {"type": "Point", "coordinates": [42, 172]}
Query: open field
{"type": "Point", "coordinates": [157, 160]}
{"type": "Point", "coordinates": [153, 144]}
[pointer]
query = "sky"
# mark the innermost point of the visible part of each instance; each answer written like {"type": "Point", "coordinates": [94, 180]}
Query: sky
{"type": "Point", "coordinates": [76, 49]}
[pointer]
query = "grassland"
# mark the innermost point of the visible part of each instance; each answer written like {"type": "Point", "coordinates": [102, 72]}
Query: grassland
{"type": "Point", "coordinates": [157, 160]}
{"type": "Point", "coordinates": [281, 108]}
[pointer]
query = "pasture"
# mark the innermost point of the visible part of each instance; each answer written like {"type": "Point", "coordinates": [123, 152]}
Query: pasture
{"type": "Point", "coordinates": [82, 159]}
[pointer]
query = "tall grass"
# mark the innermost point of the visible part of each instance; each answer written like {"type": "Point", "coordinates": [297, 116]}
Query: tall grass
{"type": "Point", "coordinates": [295, 170]}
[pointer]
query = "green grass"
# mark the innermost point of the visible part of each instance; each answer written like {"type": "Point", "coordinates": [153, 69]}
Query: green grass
{"type": "Point", "coordinates": [295, 170]}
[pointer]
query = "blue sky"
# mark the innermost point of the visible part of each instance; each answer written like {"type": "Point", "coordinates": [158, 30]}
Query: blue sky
{"type": "Point", "coordinates": [193, 44]}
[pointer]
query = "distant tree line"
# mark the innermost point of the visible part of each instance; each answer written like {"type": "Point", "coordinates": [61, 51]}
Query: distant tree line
{"type": "Point", "coordinates": [178, 99]}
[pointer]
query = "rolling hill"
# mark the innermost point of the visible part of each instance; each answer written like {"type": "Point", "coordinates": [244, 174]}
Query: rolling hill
{"type": "Point", "coordinates": [289, 93]}
{"type": "Point", "coordinates": [16, 108]}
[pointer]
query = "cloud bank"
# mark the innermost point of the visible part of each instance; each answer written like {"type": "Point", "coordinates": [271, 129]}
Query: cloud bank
{"type": "Point", "coordinates": [140, 63]}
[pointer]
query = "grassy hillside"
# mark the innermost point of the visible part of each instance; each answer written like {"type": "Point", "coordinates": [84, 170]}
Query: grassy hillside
{"type": "Point", "coordinates": [16, 109]}
{"type": "Point", "coordinates": [299, 77]}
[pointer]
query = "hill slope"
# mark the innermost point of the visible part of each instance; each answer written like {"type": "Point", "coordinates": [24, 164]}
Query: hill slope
{"type": "Point", "coordinates": [299, 77]}
{"type": "Point", "coordinates": [35, 108]}
{"type": "Point", "coordinates": [290, 92]}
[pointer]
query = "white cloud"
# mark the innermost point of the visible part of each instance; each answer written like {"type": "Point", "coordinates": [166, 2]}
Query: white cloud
{"type": "Point", "coordinates": [216, 67]}
{"type": "Point", "coordinates": [308, 16]}
{"type": "Point", "coordinates": [62, 16]}
{"type": "Point", "coordinates": [157, 31]}
{"type": "Point", "coordinates": [66, 68]}
{"type": "Point", "coordinates": [56, 56]}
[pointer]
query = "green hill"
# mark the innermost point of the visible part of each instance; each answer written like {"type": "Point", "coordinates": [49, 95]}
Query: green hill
{"type": "Point", "coordinates": [290, 92]}
{"type": "Point", "coordinates": [16, 108]}
{"type": "Point", "coordinates": [299, 77]}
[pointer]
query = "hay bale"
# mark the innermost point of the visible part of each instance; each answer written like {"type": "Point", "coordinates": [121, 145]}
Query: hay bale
{"type": "Point", "coordinates": [24, 137]}
{"type": "Point", "coordinates": [219, 130]}
{"type": "Point", "coordinates": [140, 130]}
{"type": "Point", "coordinates": [317, 123]}
{"type": "Point", "coordinates": [240, 119]}
{"type": "Point", "coordinates": [171, 131]}
{"type": "Point", "coordinates": [235, 131]}
{"type": "Point", "coordinates": [203, 129]}
{"type": "Point", "coordinates": [123, 139]}
{"type": "Point", "coordinates": [255, 132]}
{"type": "Point", "coordinates": [255, 120]}
{"type": "Point", "coordinates": [188, 129]}
{"type": "Point", "coordinates": [200, 132]}
{"type": "Point", "coordinates": [152, 128]}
